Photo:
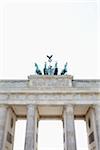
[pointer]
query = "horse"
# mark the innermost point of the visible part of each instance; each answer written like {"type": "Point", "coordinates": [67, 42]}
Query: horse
{"type": "Point", "coordinates": [64, 70]}
{"type": "Point", "coordinates": [38, 71]}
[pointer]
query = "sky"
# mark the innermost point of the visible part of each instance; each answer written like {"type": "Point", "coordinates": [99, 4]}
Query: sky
{"type": "Point", "coordinates": [32, 29]}
{"type": "Point", "coordinates": [67, 29]}
{"type": "Point", "coordinates": [50, 135]}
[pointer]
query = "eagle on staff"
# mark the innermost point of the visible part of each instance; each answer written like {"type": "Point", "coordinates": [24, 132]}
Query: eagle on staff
{"type": "Point", "coordinates": [50, 58]}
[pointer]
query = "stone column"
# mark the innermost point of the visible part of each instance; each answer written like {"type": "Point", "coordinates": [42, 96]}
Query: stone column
{"type": "Point", "coordinates": [30, 139]}
{"type": "Point", "coordinates": [3, 118]}
{"type": "Point", "coordinates": [97, 119]}
{"type": "Point", "coordinates": [91, 129]}
{"type": "Point", "coordinates": [69, 129]}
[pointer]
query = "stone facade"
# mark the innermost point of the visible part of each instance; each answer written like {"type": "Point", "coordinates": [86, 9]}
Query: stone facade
{"type": "Point", "coordinates": [57, 97]}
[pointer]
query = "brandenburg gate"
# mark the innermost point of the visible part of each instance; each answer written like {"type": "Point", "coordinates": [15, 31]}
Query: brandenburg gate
{"type": "Point", "coordinates": [49, 97]}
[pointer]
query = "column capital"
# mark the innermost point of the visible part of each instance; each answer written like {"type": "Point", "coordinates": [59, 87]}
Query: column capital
{"type": "Point", "coordinates": [96, 106]}
{"type": "Point", "coordinates": [31, 105]}
{"type": "Point", "coordinates": [4, 106]}
{"type": "Point", "coordinates": [69, 107]}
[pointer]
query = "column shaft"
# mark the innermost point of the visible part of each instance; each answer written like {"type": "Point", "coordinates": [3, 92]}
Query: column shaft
{"type": "Point", "coordinates": [69, 129]}
{"type": "Point", "coordinates": [97, 118]}
{"type": "Point", "coordinates": [3, 118]}
{"type": "Point", "coordinates": [30, 128]}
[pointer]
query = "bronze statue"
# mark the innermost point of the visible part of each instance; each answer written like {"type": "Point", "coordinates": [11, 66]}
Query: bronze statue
{"type": "Point", "coordinates": [50, 70]}
{"type": "Point", "coordinates": [56, 69]}
{"type": "Point", "coordinates": [45, 70]}
{"type": "Point", "coordinates": [38, 71]}
{"type": "Point", "coordinates": [49, 58]}
{"type": "Point", "coordinates": [64, 70]}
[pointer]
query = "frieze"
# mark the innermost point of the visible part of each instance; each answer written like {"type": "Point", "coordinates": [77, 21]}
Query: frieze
{"type": "Point", "coordinates": [50, 96]}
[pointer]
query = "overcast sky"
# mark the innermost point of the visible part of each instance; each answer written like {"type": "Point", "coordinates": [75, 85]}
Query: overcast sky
{"type": "Point", "coordinates": [66, 29]}
{"type": "Point", "coordinates": [31, 29]}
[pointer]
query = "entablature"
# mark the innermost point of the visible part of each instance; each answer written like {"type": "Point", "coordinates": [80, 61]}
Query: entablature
{"type": "Point", "coordinates": [49, 89]}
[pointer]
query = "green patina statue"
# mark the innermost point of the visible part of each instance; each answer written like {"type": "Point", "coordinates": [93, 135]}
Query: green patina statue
{"type": "Point", "coordinates": [45, 70]}
{"type": "Point", "coordinates": [38, 71]}
{"type": "Point", "coordinates": [50, 70]}
{"type": "Point", "coordinates": [64, 70]}
{"type": "Point", "coordinates": [56, 69]}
